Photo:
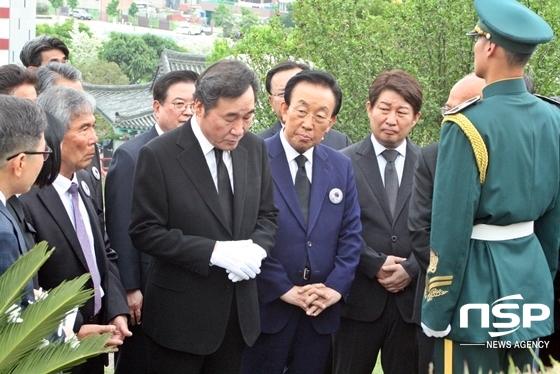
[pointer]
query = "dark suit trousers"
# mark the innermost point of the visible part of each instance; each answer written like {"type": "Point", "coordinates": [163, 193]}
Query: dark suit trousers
{"type": "Point", "coordinates": [131, 357]}
{"type": "Point", "coordinates": [226, 360]}
{"type": "Point", "coordinates": [424, 351]}
{"type": "Point", "coordinates": [357, 343]}
{"type": "Point", "coordinates": [296, 349]}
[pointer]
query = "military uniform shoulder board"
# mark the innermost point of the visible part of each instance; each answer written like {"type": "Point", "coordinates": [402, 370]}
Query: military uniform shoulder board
{"type": "Point", "coordinates": [551, 100]}
{"type": "Point", "coordinates": [463, 105]}
{"type": "Point", "coordinates": [477, 143]}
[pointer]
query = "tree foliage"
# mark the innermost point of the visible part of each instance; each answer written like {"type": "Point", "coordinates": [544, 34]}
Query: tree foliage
{"type": "Point", "coordinates": [133, 10]}
{"type": "Point", "coordinates": [136, 55]}
{"type": "Point", "coordinates": [72, 4]}
{"type": "Point", "coordinates": [56, 4]}
{"type": "Point", "coordinates": [63, 30]}
{"type": "Point", "coordinates": [135, 58]}
{"type": "Point", "coordinates": [356, 40]}
{"type": "Point", "coordinates": [248, 19]}
{"type": "Point", "coordinates": [102, 72]}
{"type": "Point", "coordinates": [221, 14]}
{"type": "Point", "coordinates": [112, 8]}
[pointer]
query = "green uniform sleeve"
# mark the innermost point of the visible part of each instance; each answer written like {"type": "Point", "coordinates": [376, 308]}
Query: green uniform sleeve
{"type": "Point", "coordinates": [456, 197]}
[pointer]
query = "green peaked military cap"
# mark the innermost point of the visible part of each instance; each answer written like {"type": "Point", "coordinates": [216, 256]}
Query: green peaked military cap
{"type": "Point", "coordinates": [510, 25]}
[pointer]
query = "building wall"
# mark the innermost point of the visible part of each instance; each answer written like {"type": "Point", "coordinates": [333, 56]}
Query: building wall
{"type": "Point", "coordinates": [17, 26]}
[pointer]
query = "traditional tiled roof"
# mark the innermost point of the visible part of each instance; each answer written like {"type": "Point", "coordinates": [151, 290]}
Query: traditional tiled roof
{"type": "Point", "coordinates": [142, 121]}
{"type": "Point", "coordinates": [127, 100]}
{"type": "Point", "coordinates": [129, 107]}
{"type": "Point", "coordinates": [173, 61]}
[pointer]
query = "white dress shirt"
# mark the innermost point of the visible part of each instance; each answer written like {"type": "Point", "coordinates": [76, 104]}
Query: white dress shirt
{"type": "Point", "coordinates": [399, 161]}
{"type": "Point", "coordinates": [61, 184]}
{"type": "Point", "coordinates": [291, 155]}
{"type": "Point", "coordinates": [210, 156]}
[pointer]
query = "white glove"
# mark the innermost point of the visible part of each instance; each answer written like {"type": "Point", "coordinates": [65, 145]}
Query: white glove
{"type": "Point", "coordinates": [257, 253]}
{"type": "Point", "coordinates": [436, 334]}
{"type": "Point", "coordinates": [234, 278]}
{"type": "Point", "coordinates": [233, 256]}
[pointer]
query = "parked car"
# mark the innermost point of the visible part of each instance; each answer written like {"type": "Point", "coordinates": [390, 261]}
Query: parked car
{"type": "Point", "coordinates": [80, 14]}
{"type": "Point", "coordinates": [207, 29]}
{"type": "Point", "coordinates": [189, 29]}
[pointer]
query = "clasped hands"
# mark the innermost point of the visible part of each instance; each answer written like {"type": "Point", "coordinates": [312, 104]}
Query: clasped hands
{"type": "Point", "coordinates": [312, 298]}
{"type": "Point", "coordinates": [392, 274]}
{"type": "Point", "coordinates": [241, 258]}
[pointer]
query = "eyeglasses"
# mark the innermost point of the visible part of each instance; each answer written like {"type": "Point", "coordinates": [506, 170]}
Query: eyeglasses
{"type": "Point", "coordinates": [317, 118]}
{"type": "Point", "coordinates": [280, 95]}
{"type": "Point", "coordinates": [183, 106]}
{"type": "Point", "coordinates": [45, 154]}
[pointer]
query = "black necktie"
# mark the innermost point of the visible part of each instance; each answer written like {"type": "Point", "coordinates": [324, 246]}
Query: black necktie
{"type": "Point", "coordinates": [303, 186]}
{"type": "Point", "coordinates": [224, 188]}
{"type": "Point", "coordinates": [391, 179]}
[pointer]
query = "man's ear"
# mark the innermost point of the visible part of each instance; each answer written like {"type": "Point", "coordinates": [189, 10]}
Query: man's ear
{"type": "Point", "coordinates": [284, 111]}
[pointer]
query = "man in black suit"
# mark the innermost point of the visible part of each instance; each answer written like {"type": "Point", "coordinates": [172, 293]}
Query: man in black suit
{"type": "Point", "coordinates": [173, 106]}
{"type": "Point", "coordinates": [64, 216]}
{"type": "Point", "coordinates": [275, 83]}
{"type": "Point", "coordinates": [379, 307]}
{"type": "Point", "coordinates": [61, 74]}
{"type": "Point", "coordinates": [203, 208]}
{"type": "Point", "coordinates": [420, 214]}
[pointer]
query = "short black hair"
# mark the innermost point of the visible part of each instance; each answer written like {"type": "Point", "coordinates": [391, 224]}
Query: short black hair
{"type": "Point", "coordinates": [318, 78]}
{"type": "Point", "coordinates": [31, 52]}
{"type": "Point", "coordinates": [12, 76]}
{"type": "Point", "coordinates": [228, 79]}
{"type": "Point", "coordinates": [161, 87]}
{"type": "Point", "coordinates": [283, 66]}
{"type": "Point", "coordinates": [54, 134]}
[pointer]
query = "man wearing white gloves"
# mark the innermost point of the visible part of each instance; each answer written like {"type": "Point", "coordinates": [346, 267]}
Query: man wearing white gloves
{"type": "Point", "coordinates": [203, 208]}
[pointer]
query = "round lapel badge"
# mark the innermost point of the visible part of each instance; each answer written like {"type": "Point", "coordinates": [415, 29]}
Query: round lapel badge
{"type": "Point", "coordinates": [335, 196]}
{"type": "Point", "coordinates": [85, 187]}
{"type": "Point", "coordinates": [95, 173]}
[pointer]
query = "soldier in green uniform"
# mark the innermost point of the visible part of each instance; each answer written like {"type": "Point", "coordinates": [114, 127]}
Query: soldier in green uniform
{"type": "Point", "coordinates": [496, 208]}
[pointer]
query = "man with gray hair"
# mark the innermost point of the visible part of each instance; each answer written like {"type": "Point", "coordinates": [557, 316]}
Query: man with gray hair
{"type": "Point", "coordinates": [203, 208]}
{"type": "Point", "coordinates": [62, 74]}
{"type": "Point", "coordinates": [22, 152]}
{"type": "Point", "coordinates": [58, 74]}
{"type": "Point", "coordinates": [63, 214]}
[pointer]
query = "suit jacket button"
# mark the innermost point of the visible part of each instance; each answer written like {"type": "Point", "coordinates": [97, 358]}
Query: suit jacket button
{"type": "Point", "coordinates": [310, 244]}
{"type": "Point", "coordinates": [228, 288]}
{"type": "Point", "coordinates": [90, 318]}
{"type": "Point", "coordinates": [394, 238]}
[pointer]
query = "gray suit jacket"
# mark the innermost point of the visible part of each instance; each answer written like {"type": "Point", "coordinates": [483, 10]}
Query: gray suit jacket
{"type": "Point", "coordinates": [334, 139]}
{"type": "Point", "coordinates": [176, 218]}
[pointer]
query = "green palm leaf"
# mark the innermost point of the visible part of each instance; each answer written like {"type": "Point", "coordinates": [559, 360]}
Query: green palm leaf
{"type": "Point", "coordinates": [60, 356]}
{"type": "Point", "coordinates": [13, 281]}
{"type": "Point", "coordinates": [40, 320]}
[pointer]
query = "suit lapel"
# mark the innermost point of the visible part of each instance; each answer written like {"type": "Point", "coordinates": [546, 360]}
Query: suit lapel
{"type": "Point", "coordinates": [194, 164]}
{"type": "Point", "coordinates": [283, 178]}
{"type": "Point", "coordinates": [239, 160]}
{"type": "Point", "coordinates": [322, 173]}
{"type": "Point", "coordinates": [367, 162]}
{"type": "Point", "coordinates": [51, 200]}
{"type": "Point", "coordinates": [15, 227]}
{"type": "Point", "coordinates": [405, 188]}
{"type": "Point", "coordinates": [276, 128]}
